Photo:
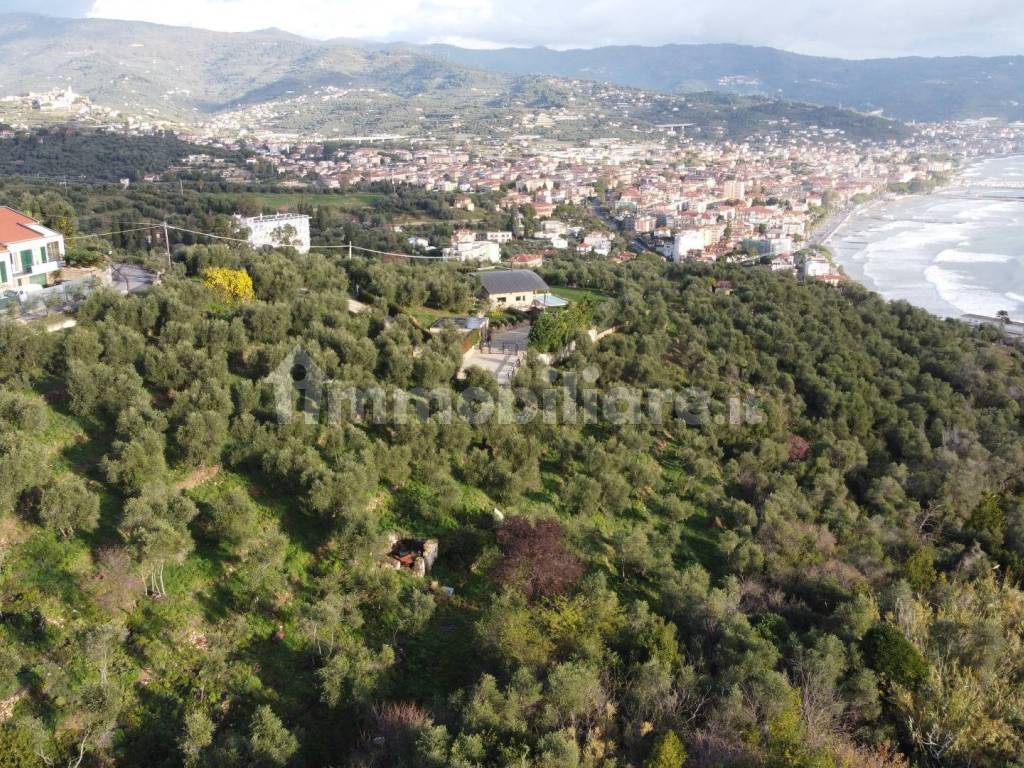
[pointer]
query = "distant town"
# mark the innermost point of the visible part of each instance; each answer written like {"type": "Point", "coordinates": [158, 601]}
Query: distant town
{"type": "Point", "coordinates": [771, 200]}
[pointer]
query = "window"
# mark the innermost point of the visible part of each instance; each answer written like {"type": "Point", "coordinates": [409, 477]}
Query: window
{"type": "Point", "coordinates": [26, 261]}
{"type": "Point", "coordinates": [3, 273]}
{"type": "Point", "coordinates": [502, 299]}
{"type": "Point", "coordinates": [520, 298]}
{"type": "Point", "coordinates": [43, 256]}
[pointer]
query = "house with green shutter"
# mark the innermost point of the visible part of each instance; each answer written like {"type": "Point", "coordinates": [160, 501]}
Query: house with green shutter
{"type": "Point", "coordinates": [30, 254]}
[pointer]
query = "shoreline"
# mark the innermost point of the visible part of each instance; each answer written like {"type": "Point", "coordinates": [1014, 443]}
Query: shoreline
{"type": "Point", "coordinates": [939, 304]}
{"type": "Point", "coordinates": [956, 181]}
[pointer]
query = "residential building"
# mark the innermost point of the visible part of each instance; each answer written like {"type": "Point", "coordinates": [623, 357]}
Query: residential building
{"type": "Point", "coordinates": [596, 243]}
{"type": "Point", "coordinates": [475, 250]}
{"type": "Point", "coordinates": [278, 231]}
{"type": "Point", "coordinates": [516, 289]}
{"type": "Point", "coordinates": [685, 242]}
{"type": "Point", "coordinates": [816, 266]}
{"type": "Point", "coordinates": [733, 189]}
{"type": "Point", "coordinates": [30, 254]}
{"type": "Point", "coordinates": [527, 260]}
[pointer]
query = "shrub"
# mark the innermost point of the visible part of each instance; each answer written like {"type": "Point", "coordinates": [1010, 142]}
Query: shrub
{"type": "Point", "coordinates": [891, 655]}
{"type": "Point", "coordinates": [535, 559]}
{"type": "Point", "coordinates": [231, 286]}
{"type": "Point", "coordinates": [668, 752]}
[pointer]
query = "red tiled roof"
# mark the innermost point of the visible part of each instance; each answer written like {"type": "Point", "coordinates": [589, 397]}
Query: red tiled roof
{"type": "Point", "coordinates": [14, 227]}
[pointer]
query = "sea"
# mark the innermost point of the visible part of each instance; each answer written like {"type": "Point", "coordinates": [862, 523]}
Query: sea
{"type": "Point", "coordinates": [957, 251]}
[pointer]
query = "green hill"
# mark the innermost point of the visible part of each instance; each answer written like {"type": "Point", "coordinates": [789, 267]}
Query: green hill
{"type": "Point", "coordinates": [911, 88]}
{"type": "Point", "coordinates": [271, 79]}
{"type": "Point", "coordinates": [807, 554]}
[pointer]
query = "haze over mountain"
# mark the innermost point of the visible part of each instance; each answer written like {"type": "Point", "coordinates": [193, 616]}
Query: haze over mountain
{"type": "Point", "coordinates": [912, 88]}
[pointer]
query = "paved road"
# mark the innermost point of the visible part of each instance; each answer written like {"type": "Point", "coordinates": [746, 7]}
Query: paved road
{"type": "Point", "coordinates": [828, 227]}
{"type": "Point", "coordinates": [509, 339]}
{"type": "Point", "coordinates": [129, 278]}
{"type": "Point", "coordinates": [502, 354]}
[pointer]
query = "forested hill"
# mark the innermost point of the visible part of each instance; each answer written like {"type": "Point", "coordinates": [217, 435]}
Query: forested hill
{"type": "Point", "coordinates": [910, 88]}
{"type": "Point", "coordinates": [271, 80]}
{"type": "Point", "coordinates": [92, 156]}
{"type": "Point", "coordinates": [825, 580]}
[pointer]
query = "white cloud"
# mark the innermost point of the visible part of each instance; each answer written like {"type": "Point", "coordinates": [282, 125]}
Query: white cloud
{"type": "Point", "coordinates": [854, 28]}
{"type": "Point", "coordinates": [380, 20]}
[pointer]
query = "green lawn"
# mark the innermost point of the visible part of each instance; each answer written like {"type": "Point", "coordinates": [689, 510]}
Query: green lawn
{"type": "Point", "coordinates": [426, 316]}
{"type": "Point", "coordinates": [291, 200]}
{"type": "Point", "coordinates": [575, 294]}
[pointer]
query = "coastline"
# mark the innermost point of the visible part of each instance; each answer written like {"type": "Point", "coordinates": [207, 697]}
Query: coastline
{"type": "Point", "coordinates": [951, 264]}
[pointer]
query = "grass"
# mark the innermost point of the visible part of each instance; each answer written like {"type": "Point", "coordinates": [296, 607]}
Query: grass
{"type": "Point", "coordinates": [576, 294]}
{"type": "Point", "coordinates": [421, 218]}
{"type": "Point", "coordinates": [291, 200]}
{"type": "Point", "coordinates": [426, 316]}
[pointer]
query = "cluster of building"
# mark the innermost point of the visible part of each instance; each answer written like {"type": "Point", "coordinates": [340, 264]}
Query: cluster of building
{"type": "Point", "coordinates": [761, 199]}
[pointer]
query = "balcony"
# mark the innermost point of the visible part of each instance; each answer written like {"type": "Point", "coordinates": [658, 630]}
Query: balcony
{"type": "Point", "coordinates": [46, 267]}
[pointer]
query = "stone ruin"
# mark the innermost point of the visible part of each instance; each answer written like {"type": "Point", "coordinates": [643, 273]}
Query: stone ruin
{"type": "Point", "coordinates": [416, 556]}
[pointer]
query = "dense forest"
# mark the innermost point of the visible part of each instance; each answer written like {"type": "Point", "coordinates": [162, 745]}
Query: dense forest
{"type": "Point", "coordinates": [72, 153]}
{"type": "Point", "coordinates": [188, 580]}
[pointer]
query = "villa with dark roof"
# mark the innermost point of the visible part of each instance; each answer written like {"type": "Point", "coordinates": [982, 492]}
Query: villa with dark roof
{"type": "Point", "coordinates": [519, 289]}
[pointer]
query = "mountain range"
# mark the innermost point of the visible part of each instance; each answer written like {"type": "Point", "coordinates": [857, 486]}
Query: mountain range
{"type": "Point", "coordinates": [910, 88]}
{"type": "Point", "coordinates": [279, 80]}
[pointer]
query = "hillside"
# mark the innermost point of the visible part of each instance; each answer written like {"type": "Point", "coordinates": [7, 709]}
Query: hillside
{"type": "Point", "coordinates": [271, 79]}
{"type": "Point", "coordinates": [175, 70]}
{"type": "Point", "coordinates": [905, 88]}
{"type": "Point", "coordinates": [189, 578]}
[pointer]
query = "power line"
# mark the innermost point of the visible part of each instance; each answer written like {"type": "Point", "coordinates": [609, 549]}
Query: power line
{"type": "Point", "coordinates": [207, 234]}
{"type": "Point", "coordinates": [379, 253]}
{"type": "Point", "coordinates": [317, 247]}
{"type": "Point", "coordinates": [348, 247]}
{"type": "Point", "coordinates": [107, 234]}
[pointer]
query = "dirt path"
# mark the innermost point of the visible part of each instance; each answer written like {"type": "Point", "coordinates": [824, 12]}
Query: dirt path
{"type": "Point", "coordinates": [198, 477]}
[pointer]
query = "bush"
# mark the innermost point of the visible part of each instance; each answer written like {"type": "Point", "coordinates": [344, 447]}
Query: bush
{"type": "Point", "coordinates": [535, 559]}
{"type": "Point", "coordinates": [231, 286]}
{"type": "Point", "coordinates": [668, 752]}
{"type": "Point", "coordinates": [67, 505]}
{"type": "Point", "coordinates": [892, 656]}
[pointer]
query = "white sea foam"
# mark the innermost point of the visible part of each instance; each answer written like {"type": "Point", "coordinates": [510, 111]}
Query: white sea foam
{"type": "Point", "coordinates": [951, 256]}
{"type": "Point", "coordinates": [974, 211]}
{"type": "Point", "coordinates": [958, 291]}
{"type": "Point", "coordinates": [945, 254]}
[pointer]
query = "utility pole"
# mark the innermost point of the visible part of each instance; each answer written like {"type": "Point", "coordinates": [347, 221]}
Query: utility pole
{"type": "Point", "coordinates": [350, 251]}
{"type": "Point", "coordinates": [167, 245]}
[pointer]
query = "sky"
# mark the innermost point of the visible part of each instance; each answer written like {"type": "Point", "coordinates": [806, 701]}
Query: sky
{"type": "Point", "coordinates": [844, 28]}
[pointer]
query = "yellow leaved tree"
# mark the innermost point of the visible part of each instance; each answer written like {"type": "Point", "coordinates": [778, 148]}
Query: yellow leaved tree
{"type": "Point", "coordinates": [230, 285]}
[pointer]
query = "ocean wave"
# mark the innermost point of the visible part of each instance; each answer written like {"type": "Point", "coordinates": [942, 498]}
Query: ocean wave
{"type": "Point", "coordinates": [974, 211]}
{"type": "Point", "coordinates": [968, 297]}
{"type": "Point", "coordinates": [951, 256]}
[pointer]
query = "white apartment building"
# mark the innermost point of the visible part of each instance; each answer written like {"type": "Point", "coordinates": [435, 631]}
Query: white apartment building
{"type": "Point", "coordinates": [687, 240]}
{"type": "Point", "coordinates": [816, 266]}
{"type": "Point", "coordinates": [278, 230]}
{"type": "Point", "coordinates": [477, 250]}
{"type": "Point", "coordinates": [30, 253]}
{"type": "Point", "coordinates": [733, 189]}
